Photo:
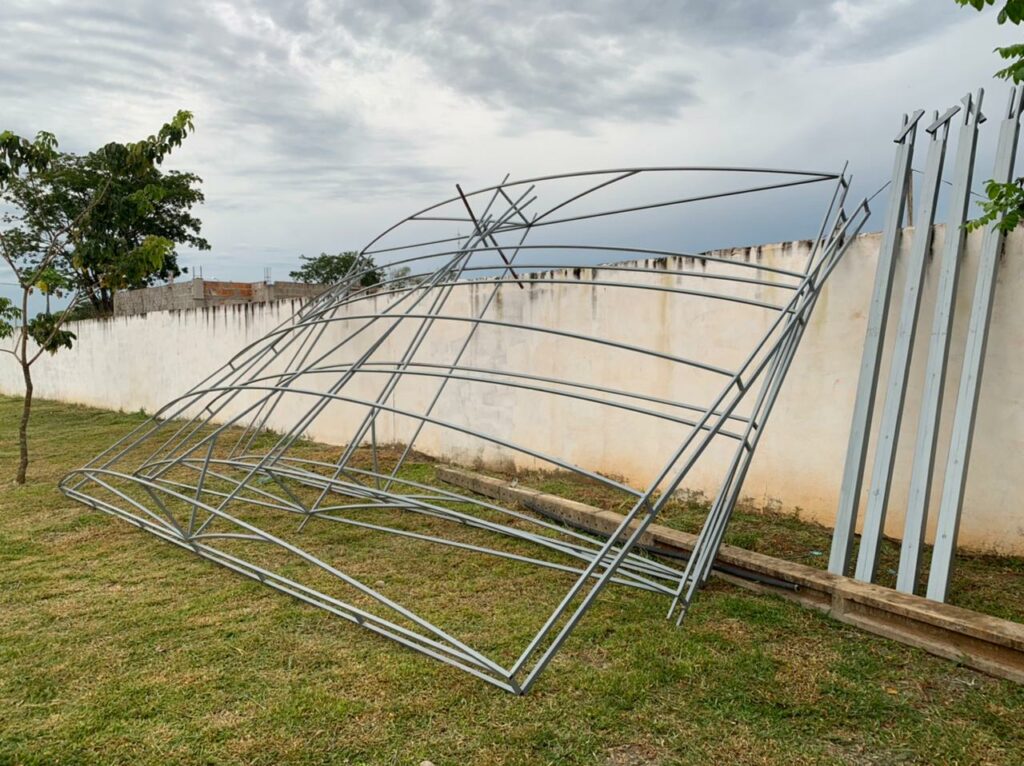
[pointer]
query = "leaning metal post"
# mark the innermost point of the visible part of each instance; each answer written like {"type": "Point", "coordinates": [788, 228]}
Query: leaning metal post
{"type": "Point", "coordinates": [938, 348]}
{"type": "Point", "coordinates": [974, 361]}
{"type": "Point", "coordinates": [902, 354]}
{"type": "Point", "coordinates": [878, 312]}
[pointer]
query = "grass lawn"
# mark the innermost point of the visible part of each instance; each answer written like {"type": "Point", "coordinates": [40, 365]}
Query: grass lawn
{"type": "Point", "coordinates": [117, 648]}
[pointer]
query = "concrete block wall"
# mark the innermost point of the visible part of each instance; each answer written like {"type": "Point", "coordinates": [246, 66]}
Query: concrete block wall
{"type": "Point", "coordinates": [176, 296]}
{"type": "Point", "coordinates": [199, 293]}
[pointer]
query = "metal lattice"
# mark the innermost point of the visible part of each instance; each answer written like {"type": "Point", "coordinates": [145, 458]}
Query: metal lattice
{"type": "Point", "coordinates": [227, 472]}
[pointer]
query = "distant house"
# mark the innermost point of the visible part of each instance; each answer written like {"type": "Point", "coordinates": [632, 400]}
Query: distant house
{"type": "Point", "coordinates": [202, 293]}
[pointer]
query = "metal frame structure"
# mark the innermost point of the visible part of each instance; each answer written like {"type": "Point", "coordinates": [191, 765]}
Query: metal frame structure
{"type": "Point", "coordinates": [220, 471]}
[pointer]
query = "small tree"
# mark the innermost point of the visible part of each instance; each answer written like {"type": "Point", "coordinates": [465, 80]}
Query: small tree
{"type": "Point", "coordinates": [326, 269]}
{"type": "Point", "coordinates": [127, 240]}
{"type": "Point", "coordinates": [37, 236]}
{"type": "Point", "coordinates": [1005, 203]}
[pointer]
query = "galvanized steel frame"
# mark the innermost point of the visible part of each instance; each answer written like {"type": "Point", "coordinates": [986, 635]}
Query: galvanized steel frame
{"type": "Point", "coordinates": [191, 473]}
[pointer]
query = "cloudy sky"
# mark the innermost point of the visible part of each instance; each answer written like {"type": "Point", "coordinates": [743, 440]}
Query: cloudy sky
{"type": "Point", "coordinates": [321, 122]}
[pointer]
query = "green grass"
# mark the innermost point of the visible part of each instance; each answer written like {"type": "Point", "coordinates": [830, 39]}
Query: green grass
{"type": "Point", "coordinates": [116, 648]}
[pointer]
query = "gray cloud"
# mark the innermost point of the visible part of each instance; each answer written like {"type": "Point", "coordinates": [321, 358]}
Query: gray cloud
{"type": "Point", "coordinates": [289, 94]}
{"type": "Point", "coordinates": [570, 63]}
{"type": "Point", "coordinates": [892, 28]}
{"type": "Point", "coordinates": [564, 65]}
{"type": "Point", "coordinates": [162, 53]}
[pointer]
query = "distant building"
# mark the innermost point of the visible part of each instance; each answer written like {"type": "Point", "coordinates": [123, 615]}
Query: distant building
{"type": "Point", "coordinates": [202, 293]}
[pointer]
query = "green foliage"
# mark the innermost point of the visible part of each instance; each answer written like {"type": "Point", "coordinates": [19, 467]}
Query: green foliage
{"type": "Point", "coordinates": [1004, 206]}
{"type": "Point", "coordinates": [154, 149]}
{"type": "Point", "coordinates": [49, 281]}
{"type": "Point", "coordinates": [123, 215]}
{"type": "Point", "coordinates": [1005, 203]}
{"type": "Point", "coordinates": [9, 315]}
{"type": "Point", "coordinates": [326, 269]}
{"type": "Point", "coordinates": [1012, 10]}
{"type": "Point", "coordinates": [17, 153]}
{"type": "Point", "coordinates": [1015, 55]}
{"type": "Point", "coordinates": [87, 226]}
{"type": "Point", "coordinates": [46, 331]}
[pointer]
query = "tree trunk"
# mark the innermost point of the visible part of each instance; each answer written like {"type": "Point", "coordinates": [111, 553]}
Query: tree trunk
{"type": "Point", "coordinates": [26, 411]}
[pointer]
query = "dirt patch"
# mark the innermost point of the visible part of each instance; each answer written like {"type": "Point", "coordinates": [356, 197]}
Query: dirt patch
{"type": "Point", "coordinates": [634, 755]}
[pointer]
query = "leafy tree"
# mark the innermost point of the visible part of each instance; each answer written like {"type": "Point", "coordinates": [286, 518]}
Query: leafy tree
{"type": "Point", "coordinates": [1005, 203]}
{"type": "Point", "coordinates": [40, 237]}
{"type": "Point", "coordinates": [326, 269]}
{"type": "Point", "coordinates": [128, 238]}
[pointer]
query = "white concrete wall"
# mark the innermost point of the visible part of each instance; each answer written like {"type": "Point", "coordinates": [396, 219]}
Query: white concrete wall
{"type": "Point", "coordinates": [143, 361]}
